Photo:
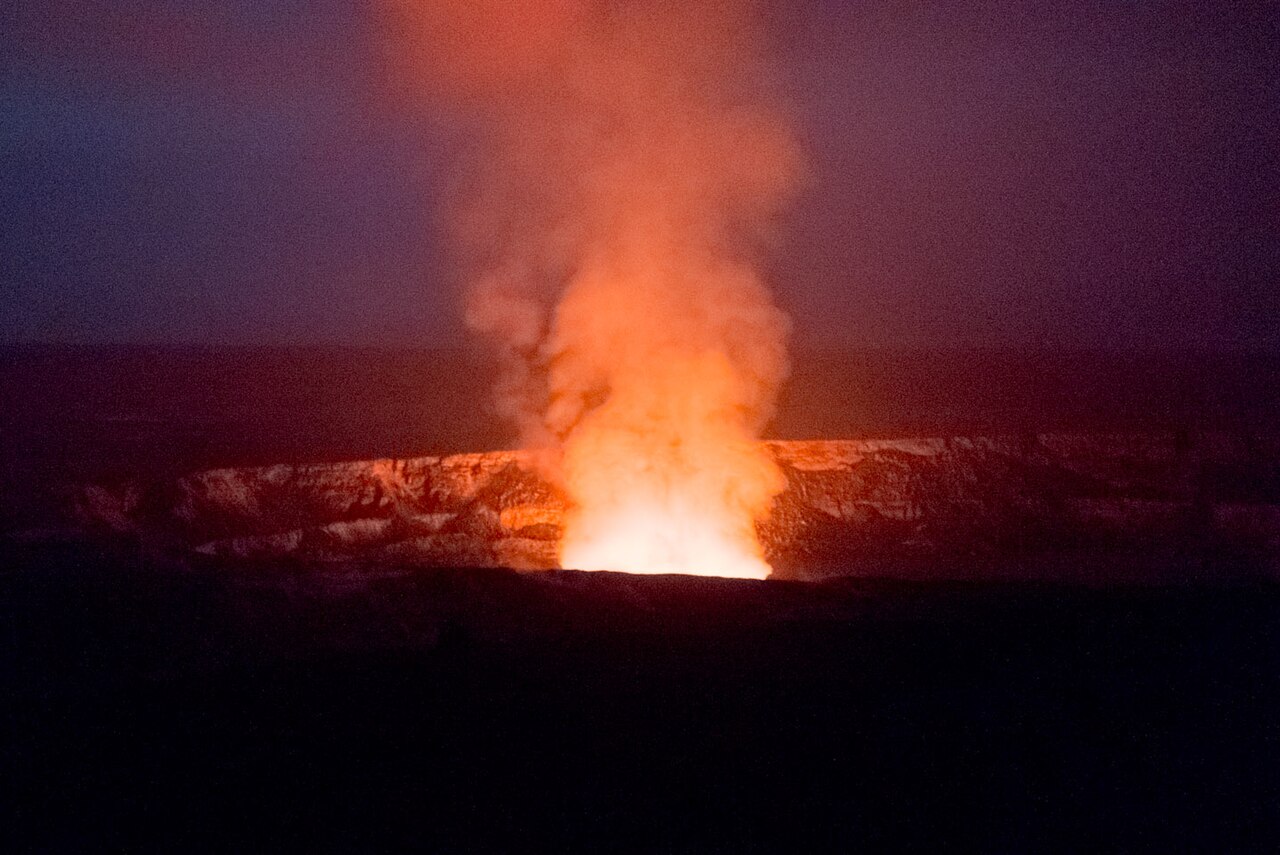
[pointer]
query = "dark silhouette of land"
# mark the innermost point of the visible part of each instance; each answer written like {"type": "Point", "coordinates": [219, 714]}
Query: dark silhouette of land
{"type": "Point", "coordinates": [232, 707]}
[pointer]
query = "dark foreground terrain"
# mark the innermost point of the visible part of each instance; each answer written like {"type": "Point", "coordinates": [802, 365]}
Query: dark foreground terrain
{"type": "Point", "coordinates": [288, 707]}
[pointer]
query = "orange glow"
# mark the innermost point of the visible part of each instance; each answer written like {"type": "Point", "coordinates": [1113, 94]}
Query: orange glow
{"type": "Point", "coordinates": [666, 478]}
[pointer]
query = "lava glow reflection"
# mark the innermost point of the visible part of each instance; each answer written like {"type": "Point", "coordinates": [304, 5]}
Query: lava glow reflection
{"type": "Point", "coordinates": [665, 475]}
{"type": "Point", "coordinates": [665, 539]}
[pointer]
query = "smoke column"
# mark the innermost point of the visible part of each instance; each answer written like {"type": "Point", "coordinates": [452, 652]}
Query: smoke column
{"type": "Point", "coordinates": [626, 161]}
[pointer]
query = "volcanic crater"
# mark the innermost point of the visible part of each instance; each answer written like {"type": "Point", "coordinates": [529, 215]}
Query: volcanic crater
{"type": "Point", "coordinates": [1118, 507]}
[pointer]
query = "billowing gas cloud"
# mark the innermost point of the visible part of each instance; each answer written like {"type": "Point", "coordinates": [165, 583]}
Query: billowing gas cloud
{"type": "Point", "coordinates": [626, 163]}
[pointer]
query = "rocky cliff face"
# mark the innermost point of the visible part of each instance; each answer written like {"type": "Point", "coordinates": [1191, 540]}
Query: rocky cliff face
{"type": "Point", "coordinates": [1130, 506]}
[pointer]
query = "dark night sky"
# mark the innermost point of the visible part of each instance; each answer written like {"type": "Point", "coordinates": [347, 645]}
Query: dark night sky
{"type": "Point", "coordinates": [1092, 175]}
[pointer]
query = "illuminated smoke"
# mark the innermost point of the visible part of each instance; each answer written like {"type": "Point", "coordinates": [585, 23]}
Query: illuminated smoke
{"type": "Point", "coordinates": [626, 161]}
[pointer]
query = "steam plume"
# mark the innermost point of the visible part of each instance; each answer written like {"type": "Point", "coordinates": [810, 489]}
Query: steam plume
{"type": "Point", "coordinates": [627, 160]}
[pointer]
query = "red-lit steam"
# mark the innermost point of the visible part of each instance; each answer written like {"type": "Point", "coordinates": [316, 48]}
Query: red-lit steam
{"type": "Point", "coordinates": [627, 160]}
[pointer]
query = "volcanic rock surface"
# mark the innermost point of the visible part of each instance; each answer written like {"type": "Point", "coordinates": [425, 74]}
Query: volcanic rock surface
{"type": "Point", "coordinates": [1085, 507]}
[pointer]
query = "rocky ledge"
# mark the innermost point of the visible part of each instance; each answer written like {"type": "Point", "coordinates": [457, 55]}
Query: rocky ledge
{"type": "Point", "coordinates": [1129, 507]}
